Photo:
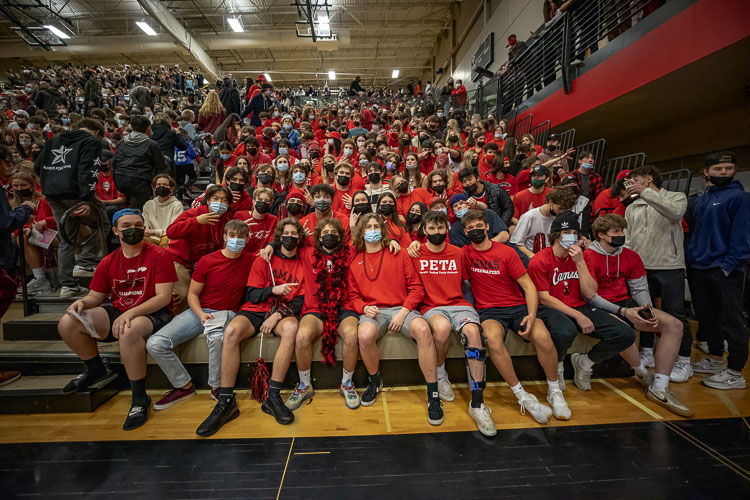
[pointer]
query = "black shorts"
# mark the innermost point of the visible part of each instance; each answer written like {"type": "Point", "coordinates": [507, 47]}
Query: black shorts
{"type": "Point", "coordinates": [509, 317]}
{"type": "Point", "coordinates": [256, 319]}
{"type": "Point", "coordinates": [625, 303]}
{"type": "Point", "coordinates": [345, 313]}
{"type": "Point", "coordinates": [158, 320]}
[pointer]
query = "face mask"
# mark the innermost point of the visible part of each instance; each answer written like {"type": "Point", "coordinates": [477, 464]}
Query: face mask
{"type": "Point", "coordinates": [311, 117]}
{"type": "Point", "coordinates": [132, 235]}
{"type": "Point", "coordinates": [252, 151]}
{"type": "Point", "coordinates": [348, 151]}
{"type": "Point", "coordinates": [552, 212]}
{"type": "Point", "coordinates": [217, 206]}
{"type": "Point", "coordinates": [294, 208]}
{"type": "Point", "coordinates": [471, 189]}
{"type": "Point", "coordinates": [122, 123]}
{"type": "Point", "coordinates": [322, 205]}
{"type": "Point", "coordinates": [343, 180]}
{"type": "Point", "coordinates": [265, 178]}
{"type": "Point", "coordinates": [587, 166]}
{"type": "Point", "coordinates": [283, 151]}
{"type": "Point", "coordinates": [374, 177]}
{"type": "Point", "coordinates": [720, 181]}
{"type": "Point", "coordinates": [330, 141]}
{"type": "Point", "coordinates": [276, 113]}
{"type": "Point", "coordinates": [282, 167]}
{"type": "Point", "coordinates": [460, 213]}
{"type": "Point", "coordinates": [235, 244]}
{"type": "Point", "coordinates": [488, 158]}
{"type": "Point", "coordinates": [551, 148]}
{"type": "Point", "coordinates": [412, 166]}
{"type": "Point", "coordinates": [287, 127]}
{"type": "Point", "coordinates": [299, 177]}
{"type": "Point", "coordinates": [371, 151]}
{"type": "Point", "coordinates": [617, 241]}
{"type": "Point", "coordinates": [329, 166]}
{"type": "Point", "coordinates": [405, 142]}
{"type": "Point", "coordinates": [314, 155]}
{"type": "Point", "coordinates": [24, 193]}
{"type": "Point", "coordinates": [373, 236]}
{"type": "Point", "coordinates": [356, 124]}
{"type": "Point", "coordinates": [440, 115]}
{"type": "Point", "coordinates": [329, 241]}
{"type": "Point", "coordinates": [444, 210]}
{"type": "Point", "coordinates": [474, 162]}
{"type": "Point", "coordinates": [375, 128]}
{"type": "Point", "coordinates": [436, 239]}
{"type": "Point", "coordinates": [162, 191]}
{"type": "Point", "coordinates": [537, 183]}
{"type": "Point", "coordinates": [262, 207]}
{"type": "Point", "coordinates": [568, 240]}
{"type": "Point", "coordinates": [289, 242]}
{"type": "Point", "coordinates": [413, 218]}
{"type": "Point", "coordinates": [390, 165]}
{"type": "Point", "coordinates": [403, 187]}
{"type": "Point", "coordinates": [225, 157]}
{"type": "Point", "coordinates": [477, 235]}
{"type": "Point", "coordinates": [387, 209]}
{"type": "Point", "coordinates": [362, 163]}
{"type": "Point", "coordinates": [361, 208]}
{"type": "Point", "coordinates": [25, 144]}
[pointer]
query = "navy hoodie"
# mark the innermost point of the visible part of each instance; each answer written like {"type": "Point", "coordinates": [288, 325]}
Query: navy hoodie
{"type": "Point", "coordinates": [719, 223]}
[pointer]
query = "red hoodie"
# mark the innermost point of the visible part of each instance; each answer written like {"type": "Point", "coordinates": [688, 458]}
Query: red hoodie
{"type": "Point", "coordinates": [393, 282]}
{"type": "Point", "coordinates": [189, 240]}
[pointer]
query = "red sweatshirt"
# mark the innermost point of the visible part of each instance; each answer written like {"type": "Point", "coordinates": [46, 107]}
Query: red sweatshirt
{"type": "Point", "coordinates": [392, 282]}
{"type": "Point", "coordinates": [190, 240]}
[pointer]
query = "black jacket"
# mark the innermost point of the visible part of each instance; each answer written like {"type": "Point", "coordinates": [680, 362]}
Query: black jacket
{"type": "Point", "coordinates": [167, 139]}
{"type": "Point", "coordinates": [256, 106]}
{"type": "Point", "coordinates": [138, 157]}
{"type": "Point", "coordinates": [48, 99]}
{"type": "Point", "coordinates": [10, 220]}
{"type": "Point", "coordinates": [499, 201]}
{"type": "Point", "coordinates": [69, 166]}
{"type": "Point", "coordinates": [230, 99]}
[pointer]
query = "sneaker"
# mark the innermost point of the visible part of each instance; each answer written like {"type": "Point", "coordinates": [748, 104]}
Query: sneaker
{"type": "Point", "coordinates": [561, 379]}
{"type": "Point", "coordinates": [273, 405]}
{"type": "Point", "coordinates": [681, 371]}
{"type": "Point", "coordinates": [708, 365]}
{"type": "Point", "coordinates": [350, 396]}
{"type": "Point", "coordinates": [224, 411]}
{"type": "Point", "coordinates": [539, 411]}
{"type": "Point", "coordinates": [371, 393]}
{"type": "Point", "coordinates": [560, 408]}
{"type": "Point", "coordinates": [702, 347]}
{"type": "Point", "coordinates": [668, 400]}
{"type": "Point", "coordinates": [581, 377]}
{"type": "Point", "coordinates": [298, 396]}
{"type": "Point", "coordinates": [647, 358]}
{"type": "Point", "coordinates": [85, 380]}
{"type": "Point", "coordinates": [137, 416]}
{"type": "Point", "coordinates": [725, 380]}
{"type": "Point", "coordinates": [215, 394]}
{"type": "Point", "coordinates": [8, 377]}
{"type": "Point", "coordinates": [645, 379]}
{"type": "Point", "coordinates": [576, 62]}
{"type": "Point", "coordinates": [484, 421]}
{"type": "Point", "coordinates": [435, 411]}
{"type": "Point", "coordinates": [83, 272]}
{"type": "Point", "coordinates": [67, 292]}
{"type": "Point", "coordinates": [39, 287]}
{"type": "Point", "coordinates": [173, 397]}
{"type": "Point", "coordinates": [445, 391]}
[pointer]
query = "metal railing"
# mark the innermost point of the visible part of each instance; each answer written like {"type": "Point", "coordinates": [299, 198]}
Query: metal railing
{"type": "Point", "coordinates": [541, 132]}
{"type": "Point", "coordinates": [677, 180]}
{"type": "Point", "coordinates": [596, 147]}
{"type": "Point", "coordinates": [567, 139]}
{"type": "Point", "coordinates": [616, 165]}
{"type": "Point", "coordinates": [522, 126]}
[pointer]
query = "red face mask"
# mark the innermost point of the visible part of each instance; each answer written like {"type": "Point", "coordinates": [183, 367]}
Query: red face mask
{"type": "Point", "coordinates": [512, 42]}
{"type": "Point", "coordinates": [489, 158]}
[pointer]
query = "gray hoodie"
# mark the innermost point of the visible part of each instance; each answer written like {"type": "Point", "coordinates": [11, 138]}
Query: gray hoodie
{"type": "Point", "coordinates": [638, 287]}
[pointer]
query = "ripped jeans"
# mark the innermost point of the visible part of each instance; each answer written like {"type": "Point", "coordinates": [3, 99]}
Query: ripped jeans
{"type": "Point", "coordinates": [182, 328]}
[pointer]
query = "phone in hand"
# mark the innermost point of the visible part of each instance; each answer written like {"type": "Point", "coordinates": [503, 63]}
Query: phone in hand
{"type": "Point", "coordinates": [647, 314]}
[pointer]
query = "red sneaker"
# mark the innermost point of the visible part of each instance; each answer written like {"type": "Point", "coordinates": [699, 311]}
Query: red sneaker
{"type": "Point", "coordinates": [9, 377]}
{"type": "Point", "coordinates": [173, 397]}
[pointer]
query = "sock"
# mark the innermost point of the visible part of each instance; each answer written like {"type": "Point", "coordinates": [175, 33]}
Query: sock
{"type": "Point", "coordinates": [304, 378]}
{"type": "Point", "coordinates": [477, 398]}
{"type": "Point", "coordinates": [683, 359]}
{"type": "Point", "coordinates": [226, 393]}
{"type": "Point", "coordinates": [640, 369]}
{"type": "Point", "coordinates": [587, 363]}
{"type": "Point", "coordinates": [39, 274]}
{"type": "Point", "coordinates": [432, 391]}
{"type": "Point", "coordinates": [553, 386]}
{"type": "Point", "coordinates": [139, 392]}
{"type": "Point", "coordinates": [518, 390]}
{"type": "Point", "coordinates": [375, 379]}
{"type": "Point", "coordinates": [441, 373]}
{"type": "Point", "coordinates": [660, 382]}
{"type": "Point", "coordinates": [95, 366]}
{"type": "Point", "coordinates": [346, 378]}
{"type": "Point", "coordinates": [647, 350]}
{"type": "Point", "coordinates": [274, 387]}
{"type": "Point", "coordinates": [560, 366]}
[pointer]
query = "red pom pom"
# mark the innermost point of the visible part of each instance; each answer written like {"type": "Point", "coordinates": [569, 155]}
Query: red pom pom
{"type": "Point", "coordinates": [259, 381]}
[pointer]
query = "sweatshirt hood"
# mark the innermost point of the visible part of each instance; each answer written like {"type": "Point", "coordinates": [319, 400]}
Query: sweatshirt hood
{"type": "Point", "coordinates": [73, 136]}
{"type": "Point", "coordinates": [135, 138]}
{"type": "Point", "coordinates": [170, 201]}
{"type": "Point", "coordinates": [735, 184]}
{"type": "Point", "coordinates": [158, 130]}
{"type": "Point", "coordinates": [597, 247]}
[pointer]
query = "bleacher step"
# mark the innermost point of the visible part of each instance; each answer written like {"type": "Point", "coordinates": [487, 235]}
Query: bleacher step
{"type": "Point", "coordinates": [40, 326]}
{"type": "Point", "coordinates": [43, 394]}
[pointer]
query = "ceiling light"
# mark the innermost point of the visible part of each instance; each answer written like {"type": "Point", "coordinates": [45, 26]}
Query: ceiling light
{"type": "Point", "coordinates": [146, 28]}
{"type": "Point", "coordinates": [60, 34]}
{"type": "Point", "coordinates": [235, 24]}
{"type": "Point", "coordinates": [395, 73]}
{"type": "Point", "coordinates": [331, 75]}
{"type": "Point", "coordinates": [268, 77]}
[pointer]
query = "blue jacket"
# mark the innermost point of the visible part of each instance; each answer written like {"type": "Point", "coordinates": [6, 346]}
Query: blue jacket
{"type": "Point", "coordinates": [292, 136]}
{"type": "Point", "coordinates": [10, 220]}
{"type": "Point", "coordinates": [185, 157]}
{"type": "Point", "coordinates": [719, 221]}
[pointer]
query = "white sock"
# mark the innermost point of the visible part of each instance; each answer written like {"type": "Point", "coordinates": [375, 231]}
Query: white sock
{"type": "Point", "coordinates": [641, 370]}
{"type": "Point", "coordinates": [560, 366]}
{"type": "Point", "coordinates": [553, 386]}
{"type": "Point", "coordinates": [587, 363]}
{"type": "Point", "coordinates": [304, 378]}
{"type": "Point", "coordinates": [683, 359]}
{"type": "Point", "coordinates": [39, 273]}
{"type": "Point", "coordinates": [647, 350]}
{"type": "Point", "coordinates": [441, 373]}
{"type": "Point", "coordinates": [518, 390]}
{"type": "Point", "coordinates": [661, 382]}
{"type": "Point", "coordinates": [346, 379]}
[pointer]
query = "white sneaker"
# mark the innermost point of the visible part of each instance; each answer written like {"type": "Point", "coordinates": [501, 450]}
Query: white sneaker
{"type": "Point", "coordinates": [708, 365]}
{"type": "Point", "coordinates": [83, 272]}
{"type": "Point", "coordinates": [445, 391]}
{"type": "Point", "coordinates": [67, 292]}
{"type": "Point", "coordinates": [561, 380]}
{"type": "Point", "coordinates": [668, 400]}
{"type": "Point", "coordinates": [702, 347]}
{"type": "Point", "coordinates": [539, 411]}
{"type": "Point", "coordinates": [681, 371]}
{"type": "Point", "coordinates": [37, 286]}
{"type": "Point", "coordinates": [582, 376]}
{"type": "Point", "coordinates": [576, 62]}
{"type": "Point", "coordinates": [560, 408]}
{"type": "Point", "coordinates": [725, 380]}
{"type": "Point", "coordinates": [484, 421]}
{"type": "Point", "coordinates": [647, 358]}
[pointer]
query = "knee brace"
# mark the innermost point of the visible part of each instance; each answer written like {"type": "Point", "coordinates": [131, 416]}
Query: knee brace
{"type": "Point", "coordinates": [477, 354]}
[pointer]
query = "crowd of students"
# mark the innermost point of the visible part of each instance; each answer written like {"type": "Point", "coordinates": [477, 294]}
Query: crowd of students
{"type": "Point", "coordinates": [360, 218]}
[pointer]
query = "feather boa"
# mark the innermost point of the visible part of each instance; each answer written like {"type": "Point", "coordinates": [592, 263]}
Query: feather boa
{"type": "Point", "coordinates": [331, 297]}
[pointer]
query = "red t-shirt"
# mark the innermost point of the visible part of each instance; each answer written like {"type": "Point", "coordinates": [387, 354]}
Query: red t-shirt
{"type": "Point", "coordinates": [557, 276]}
{"type": "Point", "coordinates": [131, 282]}
{"type": "Point", "coordinates": [405, 201]}
{"type": "Point", "coordinates": [105, 187]}
{"type": "Point", "coordinates": [524, 179]}
{"type": "Point", "coordinates": [224, 280]}
{"type": "Point", "coordinates": [261, 230]}
{"type": "Point", "coordinates": [613, 272]}
{"type": "Point", "coordinates": [605, 204]}
{"type": "Point", "coordinates": [526, 200]}
{"type": "Point", "coordinates": [441, 275]}
{"type": "Point", "coordinates": [509, 183]}
{"type": "Point", "coordinates": [338, 199]}
{"type": "Point", "coordinates": [284, 271]}
{"type": "Point", "coordinates": [494, 275]}
{"type": "Point", "coordinates": [389, 282]}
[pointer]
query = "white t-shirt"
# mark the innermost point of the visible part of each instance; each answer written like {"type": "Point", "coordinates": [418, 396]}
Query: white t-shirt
{"type": "Point", "coordinates": [532, 226]}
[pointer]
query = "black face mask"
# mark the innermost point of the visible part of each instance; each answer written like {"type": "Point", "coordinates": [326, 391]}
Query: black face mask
{"type": "Point", "coordinates": [34, 154]}
{"type": "Point", "coordinates": [132, 235]}
{"type": "Point", "coordinates": [252, 151]}
{"type": "Point", "coordinates": [236, 186]}
{"type": "Point", "coordinates": [162, 191]}
{"type": "Point", "coordinates": [551, 148]}
{"type": "Point", "coordinates": [552, 212]}
{"type": "Point", "coordinates": [439, 189]}
{"type": "Point", "coordinates": [474, 162]}
{"type": "Point", "coordinates": [329, 166]}
{"type": "Point", "coordinates": [314, 155]}
{"type": "Point", "coordinates": [329, 241]}
{"type": "Point", "coordinates": [343, 180]}
{"type": "Point", "coordinates": [720, 181]}
{"type": "Point", "coordinates": [436, 239]}
{"type": "Point", "coordinates": [104, 167]}
{"type": "Point", "coordinates": [356, 124]}
{"type": "Point", "coordinates": [387, 209]}
{"type": "Point", "coordinates": [265, 178]}
{"type": "Point", "coordinates": [413, 218]}
{"type": "Point", "coordinates": [405, 142]}
{"type": "Point", "coordinates": [403, 187]}
{"type": "Point", "coordinates": [322, 205]}
{"type": "Point", "coordinates": [262, 207]}
{"type": "Point", "coordinates": [371, 151]}
{"type": "Point", "coordinates": [477, 235]}
{"type": "Point", "coordinates": [289, 242]}
{"type": "Point", "coordinates": [24, 193]}
{"type": "Point", "coordinates": [344, 135]}
{"type": "Point", "coordinates": [362, 208]}
{"type": "Point", "coordinates": [617, 241]}
{"type": "Point", "coordinates": [471, 189]}
{"type": "Point", "coordinates": [374, 177]}
{"type": "Point", "coordinates": [294, 208]}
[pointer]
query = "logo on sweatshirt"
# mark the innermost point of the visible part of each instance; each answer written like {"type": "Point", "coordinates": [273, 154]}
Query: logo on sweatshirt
{"type": "Point", "coordinates": [60, 154]}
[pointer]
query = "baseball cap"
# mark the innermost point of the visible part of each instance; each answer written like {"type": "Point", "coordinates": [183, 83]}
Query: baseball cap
{"type": "Point", "coordinates": [721, 157]}
{"type": "Point", "coordinates": [126, 211]}
{"type": "Point", "coordinates": [622, 175]}
{"type": "Point", "coordinates": [458, 197]}
{"type": "Point", "coordinates": [22, 113]}
{"type": "Point", "coordinates": [540, 170]}
{"type": "Point", "coordinates": [553, 137]}
{"type": "Point", "coordinates": [565, 220]}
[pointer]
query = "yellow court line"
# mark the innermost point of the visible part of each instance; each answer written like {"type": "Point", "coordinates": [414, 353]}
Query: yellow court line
{"type": "Point", "coordinates": [285, 467]}
{"type": "Point", "coordinates": [385, 410]}
{"type": "Point", "coordinates": [312, 452]}
{"type": "Point", "coordinates": [630, 399]}
{"type": "Point", "coordinates": [746, 422]}
{"type": "Point", "coordinates": [728, 403]}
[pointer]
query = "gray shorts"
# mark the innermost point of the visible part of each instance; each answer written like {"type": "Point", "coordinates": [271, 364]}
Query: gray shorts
{"type": "Point", "coordinates": [385, 316]}
{"type": "Point", "coordinates": [458, 316]}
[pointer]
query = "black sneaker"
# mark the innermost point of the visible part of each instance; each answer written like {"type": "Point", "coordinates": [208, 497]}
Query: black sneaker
{"type": "Point", "coordinates": [273, 405]}
{"type": "Point", "coordinates": [137, 416]}
{"type": "Point", "coordinates": [368, 398]}
{"type": "Point", "coordinates": [435, 411]}
{"type": "Point", "coordinates": [85, 380]}
{"type": "Point", "coordinates": [225, 411]}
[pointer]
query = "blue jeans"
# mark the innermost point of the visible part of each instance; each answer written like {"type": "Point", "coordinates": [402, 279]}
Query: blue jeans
{"type": "Point", "coordinates": [182, 328]}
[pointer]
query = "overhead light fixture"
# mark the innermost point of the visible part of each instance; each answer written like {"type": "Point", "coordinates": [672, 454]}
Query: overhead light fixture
{"type": "Point", "coordinates": [268, 77]}
{"type": "Point", "coordinates": [235, 24]}
{"type": "Point", "coordinates": [331, 75]}
{"type": "Point", "coordinates": [146, 28]}
{"type": "Point", "coordinates": [395, 73]}
{"type": "Point", "coordinates": [59, 33]}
